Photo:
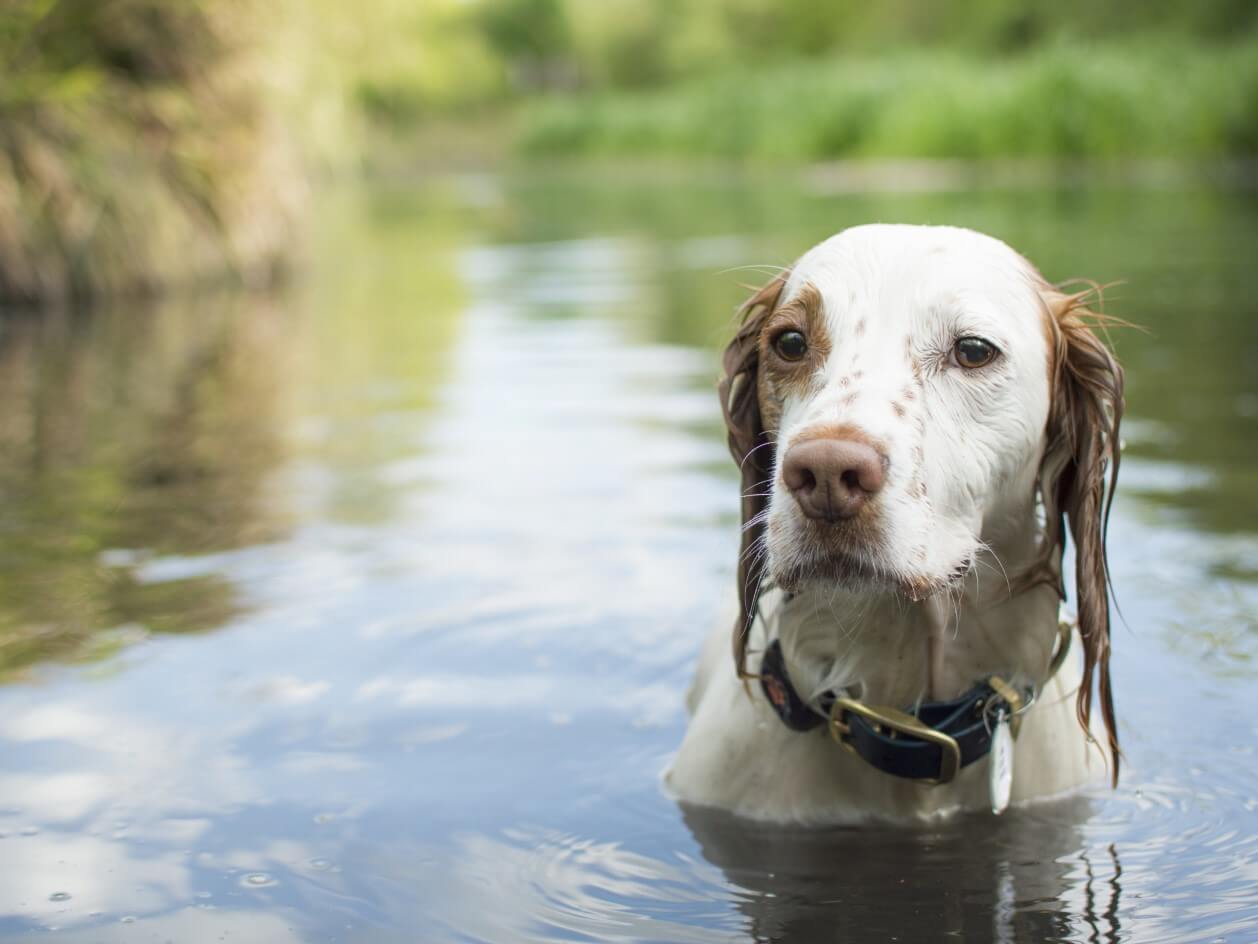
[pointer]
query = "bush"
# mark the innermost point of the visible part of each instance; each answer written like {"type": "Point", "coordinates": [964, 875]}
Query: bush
{"type": "Point", "coordinates": [1064, 100]}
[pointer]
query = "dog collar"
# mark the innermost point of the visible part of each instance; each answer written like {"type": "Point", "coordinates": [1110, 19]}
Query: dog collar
{"type": "Point", "coordinates": [929, 742]}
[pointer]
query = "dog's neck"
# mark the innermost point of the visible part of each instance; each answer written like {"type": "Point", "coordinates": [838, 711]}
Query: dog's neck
{"type": "Point", "coordinates": [889, 650]}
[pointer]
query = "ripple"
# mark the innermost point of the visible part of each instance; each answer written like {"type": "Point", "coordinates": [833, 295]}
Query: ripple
{"type": "Point", "coordinates": [555, 886]}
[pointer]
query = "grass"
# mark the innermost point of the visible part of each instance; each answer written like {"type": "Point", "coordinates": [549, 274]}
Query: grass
{"type": "Point", "coordinates": [1149, 99]}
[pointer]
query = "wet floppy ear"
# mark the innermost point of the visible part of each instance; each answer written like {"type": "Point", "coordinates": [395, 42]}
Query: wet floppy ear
{"type": "Point", "coordinates": [1077, 481]}
{"type": "Point", "coordinates": [739, 390]}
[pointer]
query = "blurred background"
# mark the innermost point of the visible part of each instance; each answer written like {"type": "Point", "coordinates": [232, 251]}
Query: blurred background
{"type": "Point", "coordinates": [150, 141]}
{"type": "Point", "coordinates": [363, 493]}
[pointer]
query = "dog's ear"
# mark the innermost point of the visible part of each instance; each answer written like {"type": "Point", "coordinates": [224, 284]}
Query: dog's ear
{"type": "Point", "coordinates": [740, 401]}
{"type": "Point", "coordinates": [1077, 482]}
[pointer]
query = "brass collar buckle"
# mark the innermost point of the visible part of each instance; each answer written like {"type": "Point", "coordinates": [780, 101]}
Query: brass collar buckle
{"type": "Point", "coordinates": [896, 722]}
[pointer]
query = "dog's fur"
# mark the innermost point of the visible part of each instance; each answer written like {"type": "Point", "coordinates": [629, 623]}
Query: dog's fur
{"type": "Point", "coordinates": [952, 570]}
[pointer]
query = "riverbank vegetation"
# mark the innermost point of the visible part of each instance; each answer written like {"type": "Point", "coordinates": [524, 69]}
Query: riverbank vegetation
{"type": "Point", "coordinates": [151, 142]}
{"type": "Point", "coordinates": [1067, 100]}
{"type": "Point", "coordinates": [135, 149]}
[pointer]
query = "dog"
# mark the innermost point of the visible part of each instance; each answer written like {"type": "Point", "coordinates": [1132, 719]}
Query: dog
{"type": "Point", "coordinates": [920, 420]}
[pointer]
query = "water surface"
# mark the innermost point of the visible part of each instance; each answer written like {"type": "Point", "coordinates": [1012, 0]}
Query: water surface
{"type": "Point", "coordinates": [364, 611]}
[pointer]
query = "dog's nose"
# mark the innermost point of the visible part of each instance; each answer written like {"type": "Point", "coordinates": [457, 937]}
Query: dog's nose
{"type": "Point", "coordinates": [832, 478]}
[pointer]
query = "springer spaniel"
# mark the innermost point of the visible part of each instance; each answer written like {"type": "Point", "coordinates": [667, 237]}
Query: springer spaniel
{"type": "Point", "coordinates": [918, 416]}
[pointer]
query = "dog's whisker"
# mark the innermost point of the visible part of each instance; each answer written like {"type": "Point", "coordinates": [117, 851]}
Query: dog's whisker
{"type": "Point", "coordinates": [753, 451]}
{"type": "Point", "coordinates": [767, 268]}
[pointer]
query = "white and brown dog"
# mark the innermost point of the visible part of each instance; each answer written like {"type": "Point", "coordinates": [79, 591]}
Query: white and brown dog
{"type": "Point", "coordinates": [918, 416]}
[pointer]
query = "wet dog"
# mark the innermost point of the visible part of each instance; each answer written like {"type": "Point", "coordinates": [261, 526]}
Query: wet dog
{"type": "Point", "coordinates": [921, 421]}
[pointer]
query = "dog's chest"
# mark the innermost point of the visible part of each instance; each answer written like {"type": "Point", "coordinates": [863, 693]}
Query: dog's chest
{"type": "Point", "coordinates": [898, 654]}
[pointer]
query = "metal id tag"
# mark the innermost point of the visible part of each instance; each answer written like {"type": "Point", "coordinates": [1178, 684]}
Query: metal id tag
{"type": "Point", "coordinates": [1000, 771]}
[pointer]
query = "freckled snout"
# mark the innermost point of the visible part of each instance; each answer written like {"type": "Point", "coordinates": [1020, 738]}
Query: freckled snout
{"type": "Point", "coordinates": [832, 479]}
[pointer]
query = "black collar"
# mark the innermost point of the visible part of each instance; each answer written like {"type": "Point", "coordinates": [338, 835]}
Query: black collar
{"type": "Point", "coordinates": [929, 742]}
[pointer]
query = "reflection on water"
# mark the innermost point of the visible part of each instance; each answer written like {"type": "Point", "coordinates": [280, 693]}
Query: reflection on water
{"type": "Point", "coordinates": [132, 434]}
{"type": "Point", "coordinates": [458, 511]}
{"type": "Point", "coordinates": [972, 879]}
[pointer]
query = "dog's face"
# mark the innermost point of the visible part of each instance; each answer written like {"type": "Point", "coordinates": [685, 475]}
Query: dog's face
{"type": "Point", "coordinates": [904, 373]}
{"type": "Point", "coordinates": [899, 401]}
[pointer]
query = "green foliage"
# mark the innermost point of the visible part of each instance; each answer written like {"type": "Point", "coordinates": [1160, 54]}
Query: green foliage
{"type": "Point", "coordinates": [618, 44]}
{"type": "Point", "coordinates": [524, 30]}
{"type": "Point", "coordinates": [151, 142]}
{"type": "Point", "coordinates": [1148, 99]}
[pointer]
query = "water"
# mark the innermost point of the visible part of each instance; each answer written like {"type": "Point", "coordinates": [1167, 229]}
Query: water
{"type": "Point", "coordinates": [364, 612]}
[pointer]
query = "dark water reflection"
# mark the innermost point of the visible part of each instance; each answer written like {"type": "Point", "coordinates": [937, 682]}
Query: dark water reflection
{"type": "Point", "coordinates": [458, 512]}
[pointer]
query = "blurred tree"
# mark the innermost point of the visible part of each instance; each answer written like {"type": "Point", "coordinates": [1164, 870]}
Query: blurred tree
{"type": "Point", "coordinates": [624, 44]}
{"type": "Point", "coordinates": [532, 38]}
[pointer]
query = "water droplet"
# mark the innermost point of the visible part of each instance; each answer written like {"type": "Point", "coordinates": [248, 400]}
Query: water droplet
{"type": "Point", "coordinates": [324, 818]}
{"type": "Point", "coordinates": [30, 830]}
{"type": "Point", "coordinates": [59, 896]}
{"type": "Point", "coordinates": [320, 865]}
{"type": "Point", "coordinates": [257, 880]}
{"type": "Point", "coordinates": [127, 919]}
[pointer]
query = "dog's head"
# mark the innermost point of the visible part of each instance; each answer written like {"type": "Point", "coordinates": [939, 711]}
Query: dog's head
{"type": "Point", "coordinates": [899, 401]}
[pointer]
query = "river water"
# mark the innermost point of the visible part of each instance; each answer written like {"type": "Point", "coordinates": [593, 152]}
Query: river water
{"type": "Point", "coordinates": [364, 610]}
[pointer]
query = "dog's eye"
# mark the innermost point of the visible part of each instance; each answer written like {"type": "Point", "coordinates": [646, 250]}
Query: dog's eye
{"type": "Point", "coordinates": [791, 345]}
{"type": "Point", "coordinates": [974, 352]}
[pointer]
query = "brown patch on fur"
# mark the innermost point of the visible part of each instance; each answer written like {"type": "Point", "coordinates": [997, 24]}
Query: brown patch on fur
{"type": "Point", "coordinates": [898, 407]}
{"type": "Point", "coordinates": [849, 398]}
{"type": "Point", "coordinates": [845, 381]}
{"type": "Point", "coordinates": [909, 393]}
{"type": "Point", "coordinates": [1077, 479]}
{"type": "Point", "coordinates": [860, 327]}
{"type": "Point", "coordinates": [779, 376]}
{"type": "Point", "coordinates": [751, 400]}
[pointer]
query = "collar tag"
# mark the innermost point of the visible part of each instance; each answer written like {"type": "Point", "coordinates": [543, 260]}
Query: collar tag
{"type": "Point", "coordinates": [1000, 771]}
